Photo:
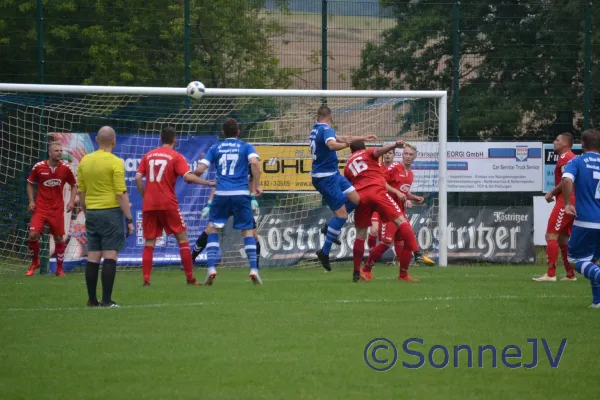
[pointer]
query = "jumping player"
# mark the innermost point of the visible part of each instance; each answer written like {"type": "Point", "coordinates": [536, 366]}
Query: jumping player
{"type": "Point", "coordinates": [363, 171]}
{"type": "Point", "coordinates": [160, 207]}
{"type": "Point", "coordinates": [560, 223]}
{"type": "Point", "coordinates": [337, 191]}
{"type": "Point", "coordinates": [48, 207]}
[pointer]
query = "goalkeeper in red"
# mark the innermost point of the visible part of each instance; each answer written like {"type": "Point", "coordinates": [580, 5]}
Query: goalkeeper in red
{"type": "Point", "coordinates": [560, 223]}
{"type": "Point", "coordinates": [48, 207]}
{"type": "Point", "coordinates": [363, 171]}
{"type": "Point", "coordinates": [160, 207]}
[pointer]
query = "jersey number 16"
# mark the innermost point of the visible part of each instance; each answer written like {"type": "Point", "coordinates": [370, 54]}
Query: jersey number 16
{"type": "Point", "coordinates": [357, 166]}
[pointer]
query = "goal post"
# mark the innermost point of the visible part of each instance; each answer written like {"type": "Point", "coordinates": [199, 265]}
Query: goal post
{"type": "Point", "coordinates": [276, 121]}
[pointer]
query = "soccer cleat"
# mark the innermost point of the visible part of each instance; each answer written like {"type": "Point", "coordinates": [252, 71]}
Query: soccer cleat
{"type": "Point", "coordinates": [595, 305]}
{"type": "Point", "coordinates": [146, 283]}
{"type": "Point", "coordinates": [32, 268]}
{"type": "Point", "coordinates": [366, 275]}
{"type": "Point", "coordinates": [254, 277]}
{"type": "Point", "coordinates": [60, 272]}
{"type": "Point", "coordinates": [407, 278]}
{"type": "Point", "coordinates": [211, 274]}
{"type": "Point", "coordinates": [569, 278]}
{"type": "Point", "coordinates": [421, 259]}
{"type": "Point", "coordinates": [324, 258]}
{"type": "Point", "coordinates": [110, 304]}
{"type": "Point", "coordinates": [194, 282]}
{"type": "Point", "coordinates": [324, 232]}
{"type": "Point", "coordinates": [545, 278]}
{"type": "Point", "coordinates": [93, 303]}
{"type": "Point", "coordinates": [355, 276]}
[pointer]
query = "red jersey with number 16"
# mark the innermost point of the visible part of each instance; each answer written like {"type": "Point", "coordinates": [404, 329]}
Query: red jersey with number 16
{"type": "Point", "coordinates": [561, 162]}
{"type": "Point", "coordinates": [161, 167]}
{"type": "Point", "coordinates": [363, 170]}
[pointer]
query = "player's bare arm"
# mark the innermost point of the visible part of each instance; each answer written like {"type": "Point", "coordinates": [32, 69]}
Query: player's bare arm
{"type": "Point", "coordinates": [401, 196]}
{"type": "Point", "coordinates": [337, 144]}
{"type": "Point", "coordinates": [193, 178]}
{"type": "Point", "coordinates": [413, 197]}
{"type": "Point", "coordinates": [567, 190]}
{"type": "Point", "coordinates": [139, 184]}
{"type": "Point", "coordinates": [72, 198]}
{"type": "Point", "coordinates": [553, 193]}
{"type": "Point", "coordinates": [388, 147]}
{"type": "Point", "coordinates": [255, 168]}
{"type": "Point", "coordinates": [30, 197]}
{"type": "Point", "coordinates": [200, 169]}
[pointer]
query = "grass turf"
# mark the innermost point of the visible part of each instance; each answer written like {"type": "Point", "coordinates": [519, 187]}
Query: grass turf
{"type": "Point", "coordinates": [301, 335]}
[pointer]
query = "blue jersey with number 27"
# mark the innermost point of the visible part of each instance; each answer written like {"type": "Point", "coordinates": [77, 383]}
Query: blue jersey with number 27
{"type": "Point", "coordinates": [325, 161]}
{"type": "Point", "coordinates": [584, 171]}
{"type": "Point", "coordinates": [231, 158]}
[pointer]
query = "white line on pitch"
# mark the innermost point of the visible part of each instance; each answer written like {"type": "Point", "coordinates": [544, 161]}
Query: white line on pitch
{"type": "Point", "coordinates": [331, 301]}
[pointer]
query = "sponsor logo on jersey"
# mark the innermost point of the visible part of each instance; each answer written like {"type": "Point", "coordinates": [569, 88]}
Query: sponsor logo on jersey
{"type": "Point", "coordinates": [405, 188]}
{"type": "Point", "coordinates": [52, 182]}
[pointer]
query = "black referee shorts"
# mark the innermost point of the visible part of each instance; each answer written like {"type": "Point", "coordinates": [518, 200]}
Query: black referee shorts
{"type": "Point", "coordinates": [105, 229]}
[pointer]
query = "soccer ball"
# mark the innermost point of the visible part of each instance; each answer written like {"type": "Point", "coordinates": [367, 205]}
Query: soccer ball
{"type": "Point", "coordinates": [195, 90]}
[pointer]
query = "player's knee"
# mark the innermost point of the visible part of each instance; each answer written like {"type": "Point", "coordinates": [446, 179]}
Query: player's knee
{"type": "Point", "coordinates": [361, 233]}
{"type": "Point", "coordinates": [551, 236]}
{"type": "Point", "coordinates": [34, 236]}
{"type": "Point", "coordinates": [341, 212]}
{"type": "Point", "coordinates": [353, 196]}
{"type": "Point", "coordinates": [58, 239]}
{"type": "Point", "coordinates": [150, 243]}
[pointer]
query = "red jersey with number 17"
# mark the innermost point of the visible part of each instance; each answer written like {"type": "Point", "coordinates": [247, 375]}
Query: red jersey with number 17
{"type": "Point", "coordinates": [50, 182]}
{"type": "Point", "coordinates": [161, 167]}
{"type": "Point", "coordinates": [363, 170]}
{"type": "Point", "coordinates": [561, 162]}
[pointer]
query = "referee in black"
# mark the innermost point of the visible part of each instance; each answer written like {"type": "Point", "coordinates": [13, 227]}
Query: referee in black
{"type": "Point", "coordinates": [103, 197]}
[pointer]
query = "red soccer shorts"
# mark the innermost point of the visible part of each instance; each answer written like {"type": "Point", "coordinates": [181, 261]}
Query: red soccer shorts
{"type": "Point", "coordinates": [155, 221]}
{"type": "Point", "coordinates": [560, 222]}
{"type": "Point", "coordinates": [55, 220]}
{"type": "Point", "coordinates": [375, 199]}
{"type": "Point", "coordinates": [388, 232]}
{"type": "Point", "coordinates": [375, 218]}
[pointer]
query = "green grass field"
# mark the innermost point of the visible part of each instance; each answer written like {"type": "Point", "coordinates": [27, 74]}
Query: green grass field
{"type": "Point", "coordinates": [302, 335]}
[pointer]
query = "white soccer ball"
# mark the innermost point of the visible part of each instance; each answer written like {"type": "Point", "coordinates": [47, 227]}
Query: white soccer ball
{"type": "Point", "coordinates": [195, 90]}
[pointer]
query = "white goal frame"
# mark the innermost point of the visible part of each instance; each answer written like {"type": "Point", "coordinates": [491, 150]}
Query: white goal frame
{"type": "Point", "coordinates": [441, 96]}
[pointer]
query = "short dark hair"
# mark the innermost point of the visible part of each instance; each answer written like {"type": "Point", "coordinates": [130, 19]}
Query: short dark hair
{"type": "Point", "coordinates": [323, 112]}
{"type": "Point", "coordinates": [167, 135]}
{"type": "Point", "coordinates": [590, 139]}
{"type": "Point", "coordinates": [569, 138]}
{"type": "Point", "coordinates": [230, 128]}
{"type": "Point", "coordinates": [357, 145]}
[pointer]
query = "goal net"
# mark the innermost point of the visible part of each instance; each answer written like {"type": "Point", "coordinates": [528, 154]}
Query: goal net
{"type": "Point", "coordinates": [276, 122]}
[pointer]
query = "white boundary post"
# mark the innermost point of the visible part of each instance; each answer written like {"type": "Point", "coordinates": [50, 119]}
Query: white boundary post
{"type": "Point", "coordinates": [442, 182]}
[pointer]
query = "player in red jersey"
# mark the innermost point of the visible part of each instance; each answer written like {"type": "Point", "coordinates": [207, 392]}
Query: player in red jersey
{"type": "Point", "coordinates": [386, 161]}
{"type": "Point", "coordinates": [400, 177]}
{"type": "Point", "coordinates": [48, 206]}
{"type": "Point", "coordinates": [363, 171]}
{"type": "Point", "coordinates": [560, 223]}
{"type": "Point", "coordinates": [160, 207]}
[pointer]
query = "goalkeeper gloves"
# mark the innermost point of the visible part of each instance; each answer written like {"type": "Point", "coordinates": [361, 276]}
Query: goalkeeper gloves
{"type": "Point", "coordinates": [254, 203]}
{"type": "Point", "coordinates": [206, 209]}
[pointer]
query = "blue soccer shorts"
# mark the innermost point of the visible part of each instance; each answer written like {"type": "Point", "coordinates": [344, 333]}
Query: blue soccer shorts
{"type": "Point", "coordinates": [584, 244]}
{"type": "Point", "coordinates": [333, 188]}
{"type": "Point", "coordinates": [239, 207]}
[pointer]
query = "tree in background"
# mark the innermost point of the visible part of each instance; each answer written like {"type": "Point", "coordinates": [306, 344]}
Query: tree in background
{"type": "Point", "coordinates": [521, 66]}
{"type": "Point", "coordinates": [141, 43]}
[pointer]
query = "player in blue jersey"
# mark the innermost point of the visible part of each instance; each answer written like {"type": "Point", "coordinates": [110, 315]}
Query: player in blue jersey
{"type": "Point", "coordinates": [338, 192]}
{"type": "Point", "coordinates": [232, 158]}
{"type": "Point", "coordinates": [583, 175]}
